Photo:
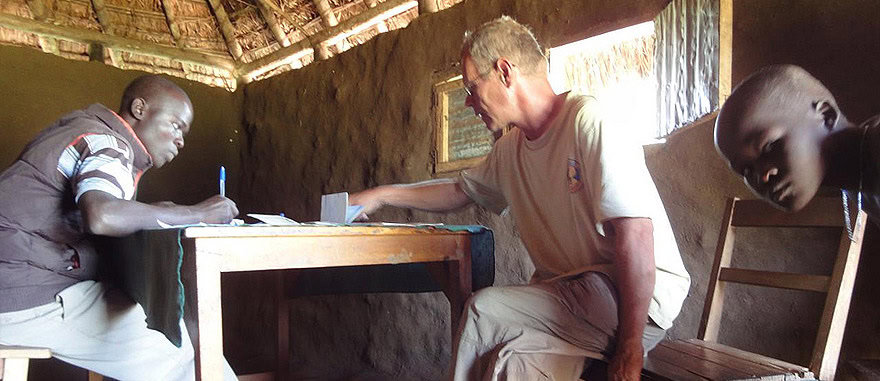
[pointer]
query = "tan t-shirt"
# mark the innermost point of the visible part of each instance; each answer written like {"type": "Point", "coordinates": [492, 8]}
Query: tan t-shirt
{"type": "Point", "coordinates": [562, 187]}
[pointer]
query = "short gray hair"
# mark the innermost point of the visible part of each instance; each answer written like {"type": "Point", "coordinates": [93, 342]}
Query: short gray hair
{"type": "Point", "coordinates": [503, 37]}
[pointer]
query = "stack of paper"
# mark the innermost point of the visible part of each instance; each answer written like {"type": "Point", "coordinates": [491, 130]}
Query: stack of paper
{"type": "Point", "coordinates": [335, 209]}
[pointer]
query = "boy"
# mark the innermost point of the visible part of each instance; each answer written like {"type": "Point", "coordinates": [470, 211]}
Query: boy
{"type": "Point", "coordinates": [782, 130]}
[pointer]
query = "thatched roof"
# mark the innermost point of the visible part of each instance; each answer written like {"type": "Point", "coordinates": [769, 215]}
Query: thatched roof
{"type": "Point", "coordinates": [218, 42]}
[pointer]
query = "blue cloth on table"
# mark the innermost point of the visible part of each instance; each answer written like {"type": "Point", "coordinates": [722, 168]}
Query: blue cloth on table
{"type": "Point", "coordinates": [127, 264]}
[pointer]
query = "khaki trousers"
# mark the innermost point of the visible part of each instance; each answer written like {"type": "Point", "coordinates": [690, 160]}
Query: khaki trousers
{"type": "Point", "coordinates": [101, 329]}
{"type": "Point", "coordinates": [541, 331]}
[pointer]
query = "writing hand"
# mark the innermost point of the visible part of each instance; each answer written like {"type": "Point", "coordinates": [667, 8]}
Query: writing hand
{"type": "Point", "coordinates": [217, 210]}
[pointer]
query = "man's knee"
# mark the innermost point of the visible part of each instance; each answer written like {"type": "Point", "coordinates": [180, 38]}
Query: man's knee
{"type": "Point", "coordinates": [483, 301]}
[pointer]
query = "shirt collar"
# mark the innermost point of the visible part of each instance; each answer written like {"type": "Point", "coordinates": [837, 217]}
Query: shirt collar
{"type": "Point", "coordinates": [142, 159]}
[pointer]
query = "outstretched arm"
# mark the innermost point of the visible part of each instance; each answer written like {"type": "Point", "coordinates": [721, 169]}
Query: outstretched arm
{"type": "Point", "coordinates": [434, 196]}
{"type": "Point", "coordinates": [104, 214]}
{"type": "Point", "coordinates": [634, 274]}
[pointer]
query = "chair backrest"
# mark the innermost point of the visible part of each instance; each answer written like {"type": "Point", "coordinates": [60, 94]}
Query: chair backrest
{"type": "Point", "coordinates": [821, 212]}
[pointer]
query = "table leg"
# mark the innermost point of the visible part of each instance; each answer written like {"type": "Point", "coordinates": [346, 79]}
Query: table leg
{"type": "Point", "coordinates": [283, 349]}
{"type": "Point", "coordinates": [455, 279]}
{"type": "Point", "coordinates": [205, 315]}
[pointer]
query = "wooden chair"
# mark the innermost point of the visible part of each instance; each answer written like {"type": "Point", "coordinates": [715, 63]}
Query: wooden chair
{"type": "Point", "coordinates": [705, 359]}
{"type": "Point", "coordinates": [14, 361]}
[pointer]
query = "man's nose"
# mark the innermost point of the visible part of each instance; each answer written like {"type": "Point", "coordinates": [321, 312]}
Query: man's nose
{"type": "Point", "coordinates": [179, 142]}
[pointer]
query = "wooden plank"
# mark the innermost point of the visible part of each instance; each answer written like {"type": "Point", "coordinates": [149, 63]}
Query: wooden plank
{"type": "Point", "coordinates": [249, 254]}
{"type": "Point", "coordinates": [802, 282]}
{"type": "Point", "coordinates": [696, 365]}
{"type": "Point", "coordinates": [11, 351]}
{"type": "Point", "coordinates": [710, 321]}
{"type": "Point", "coordinates": [829, 339]}
{"type": "Point", "coordinates": [313, 230]}
{"type": "Point", "coordinates": [114, 42]}
{"type": "Point", "coordinates": [725, 49]}
{"type": "Point", "coordinates": [282, 351]}
{"type": "Point", "coordinates": [15, 369]}
{"type": "Point", "coordinates": [202, 277]}
{"type": "Point", "coordinates": [752, 356]}
{"type": "Point", "coordinates": [821, 212]}
{"type": "Point", "coordinates": [655, 369]}
{"type": "Point", "coordinates": [754, 364]}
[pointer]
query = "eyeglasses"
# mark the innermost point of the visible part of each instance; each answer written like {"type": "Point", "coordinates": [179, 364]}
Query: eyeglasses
{"type": "Point", "coordinates": [470, 87]}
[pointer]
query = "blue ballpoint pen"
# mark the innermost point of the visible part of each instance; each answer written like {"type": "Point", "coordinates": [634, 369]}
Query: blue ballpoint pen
{"type": "Point", "coordinates": [223, 181]}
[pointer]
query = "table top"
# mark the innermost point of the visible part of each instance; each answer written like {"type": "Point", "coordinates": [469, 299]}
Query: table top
{"type": "Point", "coordinates": [324, 230]}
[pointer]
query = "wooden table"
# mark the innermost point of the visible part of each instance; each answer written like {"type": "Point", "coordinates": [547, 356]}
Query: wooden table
{"type": "Point", "coordinates": [210, 251]}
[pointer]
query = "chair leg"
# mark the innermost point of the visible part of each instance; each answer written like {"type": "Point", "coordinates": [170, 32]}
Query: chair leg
{"type": "Point", "coordinates": [15, 369]}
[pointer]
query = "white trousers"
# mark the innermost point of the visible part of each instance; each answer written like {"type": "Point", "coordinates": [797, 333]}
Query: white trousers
{"type": "Point", "coordinates": [99, 328]}
{"type": "Point", "coordinates": [540, 331]}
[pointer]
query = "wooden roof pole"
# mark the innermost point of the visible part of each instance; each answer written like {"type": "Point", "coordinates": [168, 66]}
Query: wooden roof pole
{"type": "Point", "coordinates": [86, 36]}
{"type": "Point", "coordinates": [326, 12]}
{"type": "Point", "coordinates": [272, 21]}
{"type": "Point", "coordinates": [42, 13]}
{"type": "Point", "coordinates": [174, 27]}
{"type": "Point", "coordinates": [428, 6]}
{"type": "Point", "coordinates": [351, 26]}
{"type": "Point", "coordinates": [330, 20]}
{"type": "Point", "coordinates": [171, 18]}
{"type": "Point", "coordinates": [226, 29]}
{"type": "Point", "coordinates": [104, 20]}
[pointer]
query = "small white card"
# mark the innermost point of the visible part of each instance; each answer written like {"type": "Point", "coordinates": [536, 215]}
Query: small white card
{"type": "Point", "coordinates": [273, 219]}
{"type": "Point", "coordinates": [335, 209]}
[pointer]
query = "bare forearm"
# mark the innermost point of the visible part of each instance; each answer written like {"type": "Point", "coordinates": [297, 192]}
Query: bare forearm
{"type": "Point", "coordinates": [125, 217]}
{"type": "Point", "coordinates": [635, 273]}
{"type": "Point", "coordinates": [104, 214]}
{"type": "Point", "coordinates": [434, 195]}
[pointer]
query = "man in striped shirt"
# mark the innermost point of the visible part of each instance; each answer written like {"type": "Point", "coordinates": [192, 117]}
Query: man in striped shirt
{"type": "Point", "coordinates": [79, 178]}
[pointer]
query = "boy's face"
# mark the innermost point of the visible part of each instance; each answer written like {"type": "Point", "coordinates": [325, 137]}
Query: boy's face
{"type": "Point", "coordinates": [777, 153]}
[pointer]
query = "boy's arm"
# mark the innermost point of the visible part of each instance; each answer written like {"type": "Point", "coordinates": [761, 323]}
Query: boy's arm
{"type": "Point", "coordinates": [434, 196]}
{"type": "Point", "coordinates": [104, 214]}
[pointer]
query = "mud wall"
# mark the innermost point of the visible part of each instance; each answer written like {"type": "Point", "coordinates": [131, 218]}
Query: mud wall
{"type": "Point", "coordinates": [364, 118]}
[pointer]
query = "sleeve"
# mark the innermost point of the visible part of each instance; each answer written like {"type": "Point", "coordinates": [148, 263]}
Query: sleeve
{"type": "Point", "coordinates": [481, 183]}
{"type": "Point", "coordinates": [98, 162]}
{"type": "Point", "coordinates": [618, 180]}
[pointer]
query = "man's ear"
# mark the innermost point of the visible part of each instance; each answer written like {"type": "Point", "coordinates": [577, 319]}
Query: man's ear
{"type": "Point", "coordinates": [138, 108]}
{"type": "Point", "coordinates": [505, 68]}
{"type": "Point", "coordinates": [829, 114]}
